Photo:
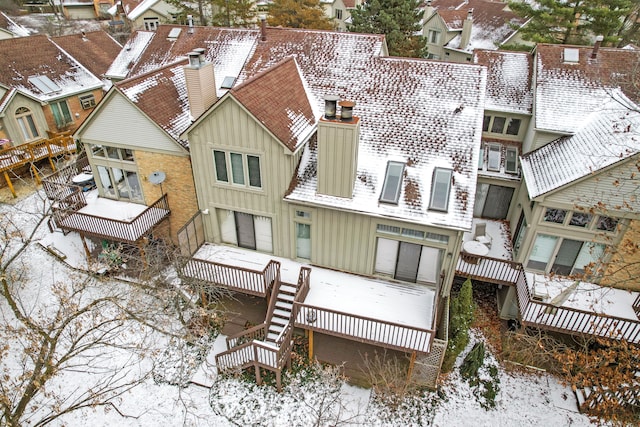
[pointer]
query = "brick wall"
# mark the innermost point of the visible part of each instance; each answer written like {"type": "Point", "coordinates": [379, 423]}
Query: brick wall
{"type": "Point", "coordinates": [74, 107]}
{"type": "Point", "coordinates": [624, 270]}
{"type": "Point", "coordinates": [178, 186]}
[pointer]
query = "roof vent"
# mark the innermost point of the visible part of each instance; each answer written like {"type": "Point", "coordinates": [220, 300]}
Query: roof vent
{"type": "Point", "coordinates": [346, 113]}
{"type": "Point", "coordinates": [571, 55]}
{"type": "Point", "coordinates": [190, 21]}
{"type": "Point", "coordinates": [330, 103]}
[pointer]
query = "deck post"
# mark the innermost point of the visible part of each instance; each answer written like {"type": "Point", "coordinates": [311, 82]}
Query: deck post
{"type": "Point", "coordinates": [53, 167]}
{"type": "Point", "coordinates": [34, 171]}
{"type": "Point", "coordinates": [310, 344]}
{"type": "Point", "coordinates": [10, 184]}
{"type": "Point", "coordinates": [142, 254]}
{"type": "Point", "coordinates": [86, 248]}
{"type": "Point", "coordinates": [258, 376]}
{"type": "Point", "coordinates": [278, 380]}
{"type": "Point", "coordinates": [412, 362]}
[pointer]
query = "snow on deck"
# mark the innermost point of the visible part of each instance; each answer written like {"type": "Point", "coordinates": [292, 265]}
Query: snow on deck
{"type": "Point", "coordinates": [111, 209]}
{"type": "Point", "coordinates": [500, 238]}
{"type": "Point", "coordinates": [587, 297]}
{"type": "Point", "coordinates": [404, 303]}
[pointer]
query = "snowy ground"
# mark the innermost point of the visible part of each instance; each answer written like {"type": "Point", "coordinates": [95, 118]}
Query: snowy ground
{"type": "Point", "coordinates": [523, 399]}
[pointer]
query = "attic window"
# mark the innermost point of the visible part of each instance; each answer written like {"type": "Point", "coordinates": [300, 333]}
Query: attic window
{"type": "Point", "coordinates": [228, 82]}
{"type": "Point", "coordinates": [571, 55]}
{"type": "Point", "coordinates": [44, 84]}
{"type": "Point", "coordinates": [393, 179]}
{"type": "Point", "coordinates": [440, 188]}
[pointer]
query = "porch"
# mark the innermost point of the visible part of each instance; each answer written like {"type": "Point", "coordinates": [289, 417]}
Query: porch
{"type": "Point", "coordinates": [79, 209]}
{"type": "Point", "coordinates": [559, 304]}
{"type": "Point", "coordinates": [13, 158]}
{"type": "Point", "coordinates": [394, 315]}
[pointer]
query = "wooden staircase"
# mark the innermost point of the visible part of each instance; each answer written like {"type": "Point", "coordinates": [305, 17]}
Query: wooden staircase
{"type": "Point", "coordinates": [269, 344]}
{"type": "Point", "coordinates": [624, 395]}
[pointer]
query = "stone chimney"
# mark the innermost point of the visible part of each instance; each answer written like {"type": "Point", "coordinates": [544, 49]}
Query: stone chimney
{"type": "Point", "coordinates": [338, 140]}
{"type": "Point", "coordinates": [596, 47]}
{"type": "Point", "coordinates": [201, 83]}
{"type": "Point", "coordinates": [465, 37]}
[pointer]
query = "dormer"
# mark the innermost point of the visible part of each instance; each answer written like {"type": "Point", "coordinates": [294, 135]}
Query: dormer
{"type": "Point", "coordinates": [338, 137]}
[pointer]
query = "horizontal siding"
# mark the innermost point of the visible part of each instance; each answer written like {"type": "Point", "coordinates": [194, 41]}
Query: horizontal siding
{"type": "Point", "coordinates": [613, 187]}
{"type": "Point", "coordinates": [121, 124]}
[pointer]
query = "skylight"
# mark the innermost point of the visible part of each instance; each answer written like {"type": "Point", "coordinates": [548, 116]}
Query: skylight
{"type": "Point", "coordinates": [44, 84]}
{"type": "Point", "coordinates": [228, 82]}
{"type": "Point", "coordinates": [440, 188]}
{"type": "Point", "coordinates": [571, 55]}
{"type": "Point", "coordinates": [392, 180]}
{"type": "Point", "coordinates": [174, 33]}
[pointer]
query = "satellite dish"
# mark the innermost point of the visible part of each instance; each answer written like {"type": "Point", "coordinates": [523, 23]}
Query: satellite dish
{"type": "Point", "coordinates": [157, 177]}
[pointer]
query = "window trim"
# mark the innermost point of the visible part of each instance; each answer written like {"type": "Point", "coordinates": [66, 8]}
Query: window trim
{"type": "Point", "coordinates": [515, 160]}
{"type": "Point", "coordinates": [494, 148]}
{"type": "Point", "coordinates": [87, 101]}
{"type": "Point", "coordinates": [59, 113]}
{"type": "Point", "coordinates": [430, 35]}
{"type": "Point", "coordinates": [436, 186]}
{"type": "Point", "coordinates": [387, 182]}
{"type": "Point", "coordinates": [233, 179]}
{"type": "Point", "coordinates": [26, 123]}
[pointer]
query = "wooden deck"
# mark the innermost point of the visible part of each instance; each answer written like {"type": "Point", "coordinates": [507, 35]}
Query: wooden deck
{"type": "Point", "coordinates": [14, 158]}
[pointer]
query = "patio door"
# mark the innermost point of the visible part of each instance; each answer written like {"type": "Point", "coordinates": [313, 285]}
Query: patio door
{"type": "Point", "coordinates": [245, 230]}
{"type": "Point", "coordinates": [408, 262]}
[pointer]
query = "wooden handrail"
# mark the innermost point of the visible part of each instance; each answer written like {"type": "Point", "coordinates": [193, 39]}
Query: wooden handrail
{"type": "Point", "coordinates": [365, 329]}
{"type": "Point", "coordinates": [256, 332]}
{"type": "Point", "coordinates": [489, 269]}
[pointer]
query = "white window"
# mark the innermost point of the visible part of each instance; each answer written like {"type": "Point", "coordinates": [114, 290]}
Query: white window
{"type": "Point", "coordinates": [338, 13]}
{"type": "Point", "coordinates": [151, 24]}
{"type": "Point", "coordinates": [565, 257]}
{"type": "Point", "coordinates": [26, 123]}
{"type": "Point", "coordinates": [440, 188]}
{"type": "Point", "coordinates": [501, 125]}
{"type": "Point", "coordinates": [433, 36]}
{"type": "Point", "coordinates": [392, 183]}
{"type": "Point", "coordinates": [244, 168]}
{"type": "Point", "coordinates": [481, 159]}
{"type": "Point", "coordinates": [493, 162]}
{"type": "Point", "coordinates": [87, 101]}
{"type": "Point", "coordinates": [511, 160]}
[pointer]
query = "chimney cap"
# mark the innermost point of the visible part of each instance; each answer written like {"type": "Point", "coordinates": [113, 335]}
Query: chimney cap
{"type": "Point", "coordinates": [347, 103]}
{"type": "Point", "coordinates": [599, 38]}
{"type": "Point", "coordinates": [199, 50]}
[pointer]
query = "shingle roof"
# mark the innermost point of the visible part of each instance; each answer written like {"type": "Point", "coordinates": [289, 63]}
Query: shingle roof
{"type": "Point", "coordinates": [13, 27]}
{"type": "Point", "coordinates": [95, 50]}
{"type": "Point", "coordinates": [288, 114]}
{"type": "Point", "coordinates": [567, 92]}
{"type": "Point", "coordinates": [24, 57]}
{"type": "Point", "coordinates": [610, 135]}
{"type": "Point", "coordinates": [425, 114]}
{"type": "Point", "coordinates": [509, 80]}
{"type": "Point", "coordinates": [453, 18]}
{"type": "Point", "coordinates": [129, 55]}
{"type": "Point", "coordinates": [166, 84]}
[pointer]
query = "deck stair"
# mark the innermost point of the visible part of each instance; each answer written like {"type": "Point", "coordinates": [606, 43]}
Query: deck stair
{"type": "Point", "coordinates": [269, 344]}
{"type": "Point", "coordinates": [590, 397]}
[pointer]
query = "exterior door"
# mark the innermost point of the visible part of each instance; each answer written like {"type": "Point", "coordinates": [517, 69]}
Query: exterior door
{"type": "Point", "coordinates": [408, 262]}
{"type": "Point", "coordinates": [245, 230]}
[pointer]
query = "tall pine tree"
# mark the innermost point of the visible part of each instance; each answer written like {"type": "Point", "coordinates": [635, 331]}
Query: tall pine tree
{"type": "Point", "coordinates": [398, 20]}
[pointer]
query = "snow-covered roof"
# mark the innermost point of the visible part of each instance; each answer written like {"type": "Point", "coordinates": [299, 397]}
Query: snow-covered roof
{"type": "Point", "coordinates": [509, 80]}
{"type": "Point", "coordinates": [609, 136]}
{"type": "Point", "coordinates": [290, 116]}
{"type": "Point", "coordinates": [96, 50]}
{"type": "Point", "coordinates": [38, 67]}
{"type": "Point", "coordinates": [424, 114]}
{"type": "Point", "coordinates": [129, 54]}
{"type": "Point", "coordinates": [566, 91]}
{"type": "Point", "coordinates": [11, 26]}
{"type": "Point", "coordinates": [166, 84]}
{"type": "Point", "coordinates": [134, 8]}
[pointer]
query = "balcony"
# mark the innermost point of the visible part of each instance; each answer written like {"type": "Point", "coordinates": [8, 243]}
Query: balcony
{"type": "Point", "coordinates": [400, 316]}
{"type": "Point", "coordinates": [85, 212]}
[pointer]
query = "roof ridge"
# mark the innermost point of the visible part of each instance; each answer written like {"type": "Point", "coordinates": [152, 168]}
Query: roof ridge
{"type": "Point", "coordinates": [151, 72]}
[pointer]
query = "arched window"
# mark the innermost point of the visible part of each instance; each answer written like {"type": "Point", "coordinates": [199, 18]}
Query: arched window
{"type": "Point", "coordinates": [26, 123]}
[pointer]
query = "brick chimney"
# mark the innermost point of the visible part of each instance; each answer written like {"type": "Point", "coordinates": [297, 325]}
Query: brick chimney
{"type": "Point", "coordinates": [338, 139]}
{"type": "Point", "coordinates": [201, 83]}
{"type": "Point", "coordinates": [596, 47]}
{"type": "Point", "coordinates": [465, 37]}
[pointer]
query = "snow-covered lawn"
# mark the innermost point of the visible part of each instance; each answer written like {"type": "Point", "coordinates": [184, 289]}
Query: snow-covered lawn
{"type": "Point", "coordinates": [207, 400]}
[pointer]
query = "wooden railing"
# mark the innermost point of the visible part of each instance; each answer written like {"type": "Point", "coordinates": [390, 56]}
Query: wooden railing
{"type": "Point", "coordinates": [571, 320]}
{"type": "Point", "coordinates": [302, 289]}
{"type": "Point", "coordinates": [69, 218]}
{"type": "Point", "coordinates": [636, 305]}
{"type": "Point", "coordinates": [625, 395]}
{"type": "Point", "coordinates": [13, 157]}
{"type": "Point", "coordinates": [364, 329]}
{"type": "Point", "coordinates": [487, 269]}
{"type": "Point", "coordinates": [252, 282]}
{"type": "Point", "coordinates": [57, 184]}
{"type": "Point", "coordinates": [256, 333]}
